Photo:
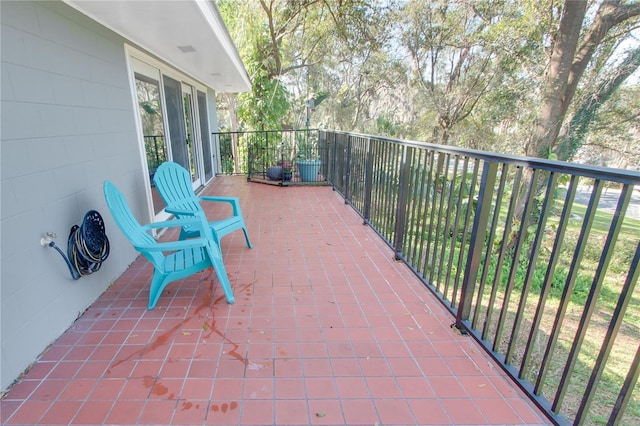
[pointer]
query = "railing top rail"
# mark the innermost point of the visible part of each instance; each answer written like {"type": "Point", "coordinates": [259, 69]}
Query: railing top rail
{"type": "Point", "coordinates": [238, 132]}
{"type": "Point", "coordinates": [631, 177]}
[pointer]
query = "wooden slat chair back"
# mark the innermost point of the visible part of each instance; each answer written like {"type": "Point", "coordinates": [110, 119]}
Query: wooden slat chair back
{"type": "Point", "coordinates": [174, 185]}
{"type": "Point", "coordinates": [171, 260]}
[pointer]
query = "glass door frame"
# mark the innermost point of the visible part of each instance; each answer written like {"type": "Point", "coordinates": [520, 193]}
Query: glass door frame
{"type": "Point", "coordinates": [191, 125]}
{"type": "Point", "coordinates": [141, 63]}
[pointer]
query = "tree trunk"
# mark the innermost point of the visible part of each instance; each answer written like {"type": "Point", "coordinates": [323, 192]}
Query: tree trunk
{"type": "Point", "coordinates": [557, 79]}
{"type": "Point", "coordinates": [569, 61]}
{"type": "Point", "coordinates": [585, 114]}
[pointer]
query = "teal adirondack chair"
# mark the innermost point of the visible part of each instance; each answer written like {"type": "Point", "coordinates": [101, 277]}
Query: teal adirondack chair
{"type": "Point", "coordinates": [171, 260]}
{"type": "Point", "coordinates": [174, 185]}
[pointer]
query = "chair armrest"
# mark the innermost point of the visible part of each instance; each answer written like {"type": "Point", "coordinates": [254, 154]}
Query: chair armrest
{"type": "Point", "coordinates": [174, 223]}
{"type": "Point", "coordinates": [220, 198]}
{"type": "Point", "coordinates": [234, 201]}
{"type": "Point", "coordinates": [177, 210]}
{"type": "Point", "coordinates": [172, 245]}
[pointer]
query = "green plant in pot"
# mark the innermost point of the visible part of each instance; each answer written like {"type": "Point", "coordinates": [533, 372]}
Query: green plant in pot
{"type": "Point", "coordinates": [308, 160]}
{"type": "Point", "coordinates": [287, 170]}
{"type": "Point", "coordinates": [309, 169]}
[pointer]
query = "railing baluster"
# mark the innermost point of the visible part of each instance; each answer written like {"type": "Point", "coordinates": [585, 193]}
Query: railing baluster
{"type": "Point", "coordinates": [533, 257]}
{"type": "Point", "coordinates": [548, 279]}
{"type": "Point", "coordinates": [347, 173]}
{"type": "Point", "coordinates": [402, 207]}
{"type": "Point", "coordinates": [465, 232]}
{"type": "Point", "coordinates": [614, 326]}
{"type": "Point", "coordinates": [480, 220]}
{"type": "Point", "coordinates": [438, 188]}
{"type": "Point", "coordinates": [568, 286]}
{"type": "Point", "coordinates": [487, 256]}
{"type": "Point", "coordinates": [432, 185]}
{"type": "Point", "coordinates": [368, 178]}
{"type": "Point", "coordinates": [627, 389]}
{"type": "Point", "coordinates": [590, 304]}
{"type": "Point", "coordinates": [456, 222]}
{"type": "Point", "coordinates": [421, 201]}
{"type": "Point", "coordinates": [503, 248]}
{"type": "Point", "coordinates": [515, 262]}
{"type": "Point", "coordinates": [447, 223]}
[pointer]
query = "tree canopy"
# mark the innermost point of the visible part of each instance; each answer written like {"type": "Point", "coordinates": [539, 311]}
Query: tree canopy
{"type": "Point", "coordinates": [535, 77]}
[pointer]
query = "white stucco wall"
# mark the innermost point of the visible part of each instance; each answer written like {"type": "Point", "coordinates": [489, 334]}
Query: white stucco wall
{"type": "Point", "coordinates": [67, 124]}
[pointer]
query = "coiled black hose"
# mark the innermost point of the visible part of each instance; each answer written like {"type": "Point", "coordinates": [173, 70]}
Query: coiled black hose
{"type": "Point", "coordinates": [87, 246]}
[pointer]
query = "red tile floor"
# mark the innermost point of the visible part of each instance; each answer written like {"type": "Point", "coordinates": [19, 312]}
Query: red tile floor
{"type": "Point", "coordinates": [326, 330]}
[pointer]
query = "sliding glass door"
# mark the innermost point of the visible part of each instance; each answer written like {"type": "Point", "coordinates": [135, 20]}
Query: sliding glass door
{"type": "Point", "coordinates": [173, 116]}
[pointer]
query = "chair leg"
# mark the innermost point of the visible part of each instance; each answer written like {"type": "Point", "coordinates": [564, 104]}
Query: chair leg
{"type": "Point", "coordinates": [157, 285]}
{"type": "Point", "coordinates": [246, 237]}
{"type": "Point", "coordinates": [221, 273]}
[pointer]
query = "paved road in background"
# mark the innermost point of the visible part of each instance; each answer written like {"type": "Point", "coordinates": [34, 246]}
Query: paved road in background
{"type": "Point", "coordinates": [609, 200]}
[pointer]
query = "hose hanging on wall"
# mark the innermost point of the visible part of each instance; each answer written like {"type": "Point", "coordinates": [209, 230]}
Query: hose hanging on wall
{"type": "Point", "coordinates": [87, 245]}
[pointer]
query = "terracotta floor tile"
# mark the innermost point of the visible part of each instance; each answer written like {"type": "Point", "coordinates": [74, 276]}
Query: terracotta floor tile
{"type": "Point", "coordinates": [288, 367]}
{"type": "Point", "coordinates": [463, 411]}
{"type": "Point", "coordinates": [157, 412]}
{"type": "Point", "coordinates": [326, 412]}
{"type": "Point", "coordinates": [291, 412]}
{"type": "Point", "coordinates": [289, 388]}
{"type": "Point", "coordinates": [320, 388]}
{"type": "Point", "coordinates": [29, 412]}
{"type": "Point", "coordinates": [428, 412]}
{"type": "Point", "coordinates": [225, 413]}
{"type": "Point", "coordinates": [21, 390]}
{"type": "Point", "coordinates": [383, 387]}
{"type": "Point", "coordinates": [48, 390]}
{"type": "Point", "coordinates": [352, 387]}
{"type": "Point", "coordinates": [108, 389]}
{"type": "Point", "coordinates": [317, 367]}
{"type": "Point", "coordinates": [359, 411]}
{"type": "Point", "coordinates": [257, 412]}
{"type": "Point", "coordinates": [190, 412]}
{"type": "Point", "coordinates": [197, 389]}
{"type": "Point", "coordinates": [497, 411]}
{"type": "Point", "coordinates": [78, 389]}
{"type": "Point", "coordinates": [93, 413]}
{"type": "Point", "coordinates": [526, 411]}
{"type": "Point", "coordinates": [61, 412]}
{"type": "Point", "coordinates": [258, 388]}
{"type": "Point", "coordinates": [374, 367]}
{"type": "Point", "coordinates": [415, 387]}
{"type": "Point", "coordinates": [447, 387]}
{"type": "Point", "coordinates": [394, 412]}
{"type": "Point", "coordinates": [406, 367]}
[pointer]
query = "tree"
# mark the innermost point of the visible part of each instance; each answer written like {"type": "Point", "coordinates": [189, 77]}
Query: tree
{"type": "Point", "coordinates": [462, 51]}
{"type": "Point", "coordinates": [574, 45]}
{"type": "Point", "coordinates": [588, 110]}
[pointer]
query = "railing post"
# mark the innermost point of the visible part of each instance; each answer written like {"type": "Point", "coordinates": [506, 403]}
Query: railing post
{"type": "Point", "coordinates": [401, 209]}
{"type": "Point", "coordinates": [478, 232]}
{"type": "Point", "coordinates": [347, 172]}
{"type": "Point", "coordinates": [368, 179]}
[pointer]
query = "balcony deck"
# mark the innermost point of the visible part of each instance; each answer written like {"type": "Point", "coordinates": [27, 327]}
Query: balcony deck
{"type": "Point", "coordinates": [326, 329]}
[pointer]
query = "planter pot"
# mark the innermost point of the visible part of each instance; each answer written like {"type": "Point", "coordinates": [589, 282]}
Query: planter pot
{"type": "Point", "coordinates": [309, 170]}
{"type": "Point", "coordinates": [287, 175]}
{"type": "Point", "coordinates": [274, 172]}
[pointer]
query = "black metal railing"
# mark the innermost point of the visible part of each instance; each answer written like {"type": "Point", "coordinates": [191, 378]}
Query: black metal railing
{"type": "Point", "coordinates": [536, 259]}
{"type": "Point", "coordinates": [284, 157]}
{"type": "Point", "coordinates": [525, 253]}
{"type": "Point", "coordinates": [155, 150]}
